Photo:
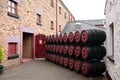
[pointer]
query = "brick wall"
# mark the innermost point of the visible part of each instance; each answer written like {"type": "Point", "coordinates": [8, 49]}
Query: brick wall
{"type": "Point", "coordinates": [11, 27]}
{"type": "Point", "coordinates": [112, 12]}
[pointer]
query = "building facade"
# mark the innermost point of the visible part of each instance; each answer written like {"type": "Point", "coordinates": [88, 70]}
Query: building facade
{"type": "Point", "coordinates": [22, 20]}
{"type": "Point", "coordinates": [112, 25]}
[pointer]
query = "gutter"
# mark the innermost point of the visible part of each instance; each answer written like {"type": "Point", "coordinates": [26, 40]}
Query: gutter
{"type": "Point", "coordinates": [56, 17]}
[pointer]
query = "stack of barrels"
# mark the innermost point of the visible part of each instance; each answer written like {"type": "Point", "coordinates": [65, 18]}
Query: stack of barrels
{"type": "Point", "coordinates": [81, 51]}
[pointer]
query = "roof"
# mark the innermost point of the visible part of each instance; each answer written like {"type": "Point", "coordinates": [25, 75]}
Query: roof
{"type": "Point", "coordinates": [66, 8]}
{"type": "Point", "coordinates": [96, 22]}
{"type": "Point", "coordinates": [78, 26]}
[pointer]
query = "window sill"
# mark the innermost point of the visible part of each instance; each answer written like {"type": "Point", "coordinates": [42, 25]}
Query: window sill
{"type": "Point", "coordinates": [111, 58]}
{"type": "Point", "coordinates": [39, 24]}
{"type": "Point", "coordinates": [52, 28]}
{"type": "Point", "coordinates": [52, 6]}
{"type": "Point", "coordinates": [14, 56]}
{"type": "Point", "coordinates": [13, 15]}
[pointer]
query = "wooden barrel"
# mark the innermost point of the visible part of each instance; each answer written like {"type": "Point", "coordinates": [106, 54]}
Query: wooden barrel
{"type": "Point", "coordinates": [61, 60]}
{"type": "Point", "coordinates": [53, 48]}
{"type": "Point", "coordinates": [77, 51]}
{"type": "Point", "coordinates": [56, 59]}
{"type": "Point", "coordinates": [65, 62]}
{"type": "Point", "coordinates": [53, 39]}
{"type": "Point", "coordinates": [71, 50]}
{"type": "Point", "coordinates": [93, 52]}
{"type": "Point", "coordinates": [60, 49]}
{"type": "Point", "coordinates": [53, 58]}
{"type": "Point", "coordinates": [65, 50]}
{"type": "Point", "coordinates": [65, 38]}
{"type": "Point", "coordinates": [50, 50]}
{"type": "Point", "coordinates": [71, 64]}
{"type": "Point", "coordinates": [60, 38]}
{"type": "Point", "coordinates": [93, 36]}
{"type": "Point", "coordinates": [93, 69]}
{"type": "Point", "coordinates": [56, 48]}
{"type": "Point", "coordinates": [71, 37]}
{"type": "Point", "coordinates": [77, 65]}
{"type": "Point", "coordinates": [77, 37]}
{"type": "Point", "coordinates": [50, 38]}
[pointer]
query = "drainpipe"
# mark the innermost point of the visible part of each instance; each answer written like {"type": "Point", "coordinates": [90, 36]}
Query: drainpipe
{"type": "Point", "coordinates": [56, 16]}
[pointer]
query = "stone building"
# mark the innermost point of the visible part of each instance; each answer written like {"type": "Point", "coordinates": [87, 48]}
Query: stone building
{"type": "Point", "coordinates": [22, 20]}
{"type": "Point", "coordinates": [112, 25]}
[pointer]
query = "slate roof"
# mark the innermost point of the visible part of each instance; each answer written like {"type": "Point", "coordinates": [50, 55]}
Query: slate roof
{"type": "Point", "coordinates": [78, 26]}
{"type": "Point", "coordinates": [93, 22]}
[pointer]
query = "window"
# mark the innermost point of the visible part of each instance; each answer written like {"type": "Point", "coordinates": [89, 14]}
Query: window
{"type": "Point", "coordinates": [52, 3]}
{"type": "Point", "coordinates": [111, 56]}
{"type": "Point", "coordinates": [39, 20]}
{"type": "Point", "coordinates": [52, 25]}
{"type": "Point", "coordinates": [59, 28]}
{"type": "Point", "coordinates": [59, 9]}
{"type": "Point", "coordinates": [11, 49]}
{"type": "Point", "coordinates": [65, 15]}
{"type": "Point", "coordinates": [69, 18]}
{"type": "Point", "coordinates": [12, 8]}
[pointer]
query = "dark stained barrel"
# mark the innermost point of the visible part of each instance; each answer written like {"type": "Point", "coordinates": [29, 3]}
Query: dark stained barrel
{"type": "Point", "coordinates": [65, 62]}
{"type": "Point", "coordinates": [77, 51]}
{"type": "Point", "coordinates": [65, 38]}
{"type": "Point", "coordinates": [60, 49]}
{"type": "Point", "coordinates": [77, 37]}
{"type": "Point", "coordinates": [93, 36]}
{"type": "Point", "coordinates": [71, 37]}
{"type": "Point", "coordinates": [71, 50]}
{"type": "Point", "coordinates": [65, 50]}
{"type": "Point", "coordinates": [53, 39]}
{"type": "Point", "coordinates": [53, 58]}
{"type": "Point", "coordinates": [77, 65]}
{"type": "Point", "coordinates": [61, 60]}
{"type": "Point", "coordinates": [93, 52]}
{"type": "Point", "coordinates": [71, 64]}
{"type": "Point", "coordinates": [60, 38]}
{"type": "Point", "coordinates": [57, 59]}
{"type": "Point", "coordinates": [56, 48]}
{"type": "Point", "coordinates": [93, 69]}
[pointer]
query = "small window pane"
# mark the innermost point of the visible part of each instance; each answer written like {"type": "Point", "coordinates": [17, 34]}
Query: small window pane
{"type": "Point", "coordinates": [13, 4]}
{"type": "Point", "coordinates": [9, 3]}
{"type": "Point", "coordinates": [9, 9]}
{"type": "Point", "coordinates": [13, 11]}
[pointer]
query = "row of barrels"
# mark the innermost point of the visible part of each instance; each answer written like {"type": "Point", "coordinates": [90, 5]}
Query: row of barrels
{"type": "Point", "coordinates": [80, 51]}
{"type": "Point", "coordinates": [93, 68]}
{"type": "Point", "coordinates": [93, 36]}
{"type": "Point", "coordinates": [84, 52]}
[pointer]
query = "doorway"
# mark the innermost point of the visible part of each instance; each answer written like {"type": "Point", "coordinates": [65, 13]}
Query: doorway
{"type": "Point", "coordinates": [28, 46]}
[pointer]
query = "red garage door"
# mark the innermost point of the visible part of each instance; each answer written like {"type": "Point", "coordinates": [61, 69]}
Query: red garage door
{"type": "Point", "coordinates": [40, 46]}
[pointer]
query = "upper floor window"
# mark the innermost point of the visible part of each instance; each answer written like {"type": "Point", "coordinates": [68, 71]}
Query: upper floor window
{"type": "Point", "coordinates": [52, 25]}
{"type": "Point", "coordinates": [65, 15]}
{"type": "Point", "coordinates": [52, 3]}
{"type": "Point", "coordinates": [59, 9]}
{"type": "Point", "coordinates": [12, 8]}
{"type": "Point", "coordinates": [39, 20]}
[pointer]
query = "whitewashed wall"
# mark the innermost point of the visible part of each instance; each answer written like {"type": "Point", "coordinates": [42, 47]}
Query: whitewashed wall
{"type": "Point", "coordinates": [112, 12]}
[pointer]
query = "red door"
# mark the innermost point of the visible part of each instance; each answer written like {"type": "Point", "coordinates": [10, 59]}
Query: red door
{"type": "Point", "coordinates": [40, 46]}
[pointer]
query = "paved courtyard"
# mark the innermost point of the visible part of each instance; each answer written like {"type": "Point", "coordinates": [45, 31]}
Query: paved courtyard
{"type": "Point", "coordinates": [41, 70]}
